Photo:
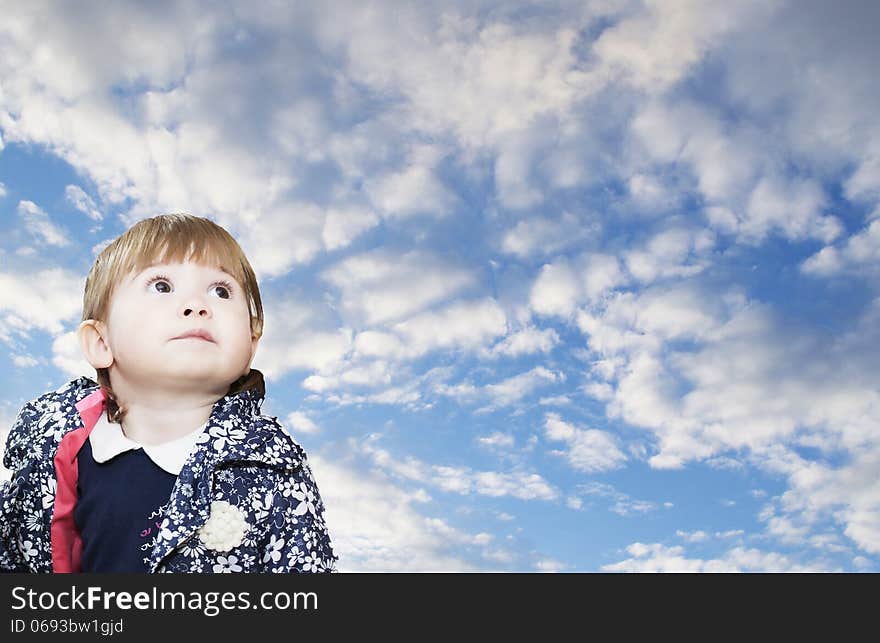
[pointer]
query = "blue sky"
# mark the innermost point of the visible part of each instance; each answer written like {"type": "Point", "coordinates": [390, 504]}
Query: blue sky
{"type": "Point", "coordinates": [575, 287]}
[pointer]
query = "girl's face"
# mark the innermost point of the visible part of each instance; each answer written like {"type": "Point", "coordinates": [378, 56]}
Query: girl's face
{"type": "Point", "coordinates": [150, 312]}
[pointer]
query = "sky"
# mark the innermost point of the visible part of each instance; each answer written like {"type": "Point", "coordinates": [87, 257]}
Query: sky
{"type": "Point", "coordinates": [548, 287]}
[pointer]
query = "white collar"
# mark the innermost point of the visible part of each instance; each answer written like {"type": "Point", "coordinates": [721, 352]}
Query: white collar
{"type": "Point", "coordinates": [108, 441]}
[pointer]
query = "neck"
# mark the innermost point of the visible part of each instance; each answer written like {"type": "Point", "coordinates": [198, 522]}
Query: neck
{"type": "Point", "coordinates": [157, 416]}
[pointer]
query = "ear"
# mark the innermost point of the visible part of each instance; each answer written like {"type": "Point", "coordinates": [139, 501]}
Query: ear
{"type": "Point", "coordinates": [255, 341]}
{"type": "Point", "coordinates": [91, 334]}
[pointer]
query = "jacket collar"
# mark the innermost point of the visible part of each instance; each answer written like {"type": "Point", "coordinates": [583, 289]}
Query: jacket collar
{"type": "Point", "coordinates": [108, 441]}
{"type": "Point", "coordinates": [91, 406]}
{"type": "Point", "coordinates": [235, 432]}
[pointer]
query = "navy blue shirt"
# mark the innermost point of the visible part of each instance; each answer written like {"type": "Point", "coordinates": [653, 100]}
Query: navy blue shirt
{"type": "Point", "coordinates": [119, 508]}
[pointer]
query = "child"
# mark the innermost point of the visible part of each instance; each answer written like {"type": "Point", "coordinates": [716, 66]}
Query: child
{"type": "Point", "coordinates": [166, 463]}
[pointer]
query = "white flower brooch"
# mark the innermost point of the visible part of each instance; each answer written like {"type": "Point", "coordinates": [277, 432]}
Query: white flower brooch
{"type": "Point", "coordinates": [225, 528]}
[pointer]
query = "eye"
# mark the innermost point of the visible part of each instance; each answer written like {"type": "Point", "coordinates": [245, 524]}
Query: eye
{"type": "Point", "coordinates": [163, 281]}
{"type": "Point", "coordinates": [224, 288]}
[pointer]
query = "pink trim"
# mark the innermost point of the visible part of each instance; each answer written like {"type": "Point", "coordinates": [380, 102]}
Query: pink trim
{"type": "Point", "coordinates": [66, 541]}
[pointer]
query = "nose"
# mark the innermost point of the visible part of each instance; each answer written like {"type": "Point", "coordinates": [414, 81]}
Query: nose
{"type": "Point", "coordinates": [195, 306]}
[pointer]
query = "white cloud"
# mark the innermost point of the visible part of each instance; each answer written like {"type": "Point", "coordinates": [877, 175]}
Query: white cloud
{"type": "Point", "coordinates": [301, 423]}
{"type": "Point", "coordinates": [494, 77]}
{"type": "Point", "coordinates": [68, 358]}
{"type": "Point", "coordinates": [656, 557]}
{"type": "Point", "coordinates": [24, 361]}
{"type": "Point", "coordinates": [496, 439]}
{"type": "Point", "coordinates": [374, 343]}
{"type": "Point", "coordinates": [2, 186]}
{"type": "Point", "coordinates": [527, 341]}
{"type": "Point", "coordinates": [506, 392]}
{"type": "Point", "coordinates": [372, 374]}
{"type": "Point", "coordinates": [377, 356]}
{"type": "Point", "coordinates": [755, 387]}
{"type": "Point", "coordinates": [82, 202]}
{"type": "Point", "coordinates": [545, 236]}
{"type": "Point", "coordinates": [693, 536]}
{"type": "Point", "coordinates": [858, 253]}
{"type": "Point", "coordinates": [515, 388]}
{"type": "Point", "coordinates": [464, 480]}
{"type": "Point", "coordinates": [589, 450]}
{"type": "Point", "coordinates": [296, 335]}
{"type": "Point", "coordinates": [412, 190]}
{"type": "Point", "coordinates": [620, 503]}
{"type": "Point", "coordinates": [660, 42]}
{"type": "Point", "coordinates": [745, 193]}
{"type": "Point", "coordinates": [556, 291]}
{"type": "Point", "coordinates": [375, 526]}
{"type": "Point", "coordinates": [549, 565]}
{"type": "Point", "coordinates": [466, 325]}
{"type": "Point", "coordinates": [42, 301]}
{"type": "Point", "coordinates": [8, 415]}
{"type": "Point", "coordinates": [794, 207]}
{"type": "Point", "coordinates": [564, 284]}
{"type": "Point", "coordinates": [671, 253]}
{"type": "Point", "coordinates": [38, 223]}
{"type": "Point", "coordinates": [342, 226]}
{"type": "Point", "coordinates": [379, 286]}
{"type": "Point", "coordinates": [650, 195]}
{"type": "Point", "coordinates": [282, 237]}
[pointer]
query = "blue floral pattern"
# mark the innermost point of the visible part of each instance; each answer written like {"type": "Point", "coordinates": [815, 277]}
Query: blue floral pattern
{"type": "Point", "coordinates": [242, 457]}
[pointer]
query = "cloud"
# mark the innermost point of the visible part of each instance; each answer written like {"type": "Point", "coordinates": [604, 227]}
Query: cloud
{"type": "Point", "coordinates": [546, 236]}
{"type": "Point", "coordinates": [656, 47]}
{"type": "Point", "coordinates": [298, 335]}
{"type": "Point", "coordinates": [527, 341]}
{"type": "Point", "coordinates": [692, 537]}
{"type": "Point", "coordinates": [42, 301]}
{"type": "Point", "coordinates": [376, 526]}
{"type": "Point", "coordinates": [8, 415]}
{"type": "Point", "coordinates": [564, 284]}
{"type": "Point", "coordinates": [515, 388]}
{"type": "Point", "coordinates": [621, 503]}
{"type": "Point", "coordinates": [754, 387]}
{"type": "Point", "coordinates": [670, 253]}
{"type": "Point", "coordinates": [860, 253]}
{"type": "Point", "coordinates": [462, 325]}
{"type": "Point", "coordinates": [496, 439]}
{"type": "Point", "coordinates": [746, 195]}
{"type": "Point", "coordinates": [655, 557]}
{"type": "Point", "coordinates": [589, 450]}
{"type": "Point", "coordinates": [412, 190]}
{"type": "Point", "coordinates": [282, 237]}
{"type": "Point", "coordinates": [38, 223]}
{"type": "Point", "coordinates": [24, 361]}
{"type": "Point", "coordinates": [556, 291]}
{"type": "Point", "coordinates": [82, 202]}
{"type": "Point", "coordinates": [463, 480]}
{"type": "Point", "coordinates": [380, 286]}
{"type": "Point", "coordinates": [496, 76]}
{"type": "Point", "coordinates": [794, 207]}
{"type": "Point", "coordinates": [302, 423]}
{"type": "Point", "coordinates": [68, 358]}
{"type": "Point", "coordinates": [344, 225]}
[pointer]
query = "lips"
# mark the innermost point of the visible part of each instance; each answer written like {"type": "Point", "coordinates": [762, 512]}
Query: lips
{"type": "Point", "coordinates": [197, 333]}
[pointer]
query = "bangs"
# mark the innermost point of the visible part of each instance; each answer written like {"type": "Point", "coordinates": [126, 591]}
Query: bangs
{"type": "Point", "coordinates": [188, 240]}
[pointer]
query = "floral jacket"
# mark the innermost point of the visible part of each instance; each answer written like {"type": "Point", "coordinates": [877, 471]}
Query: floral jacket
{"type": "Point", "coordinates": [244, 501]}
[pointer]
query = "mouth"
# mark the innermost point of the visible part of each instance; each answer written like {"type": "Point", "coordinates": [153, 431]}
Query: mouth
{"type": "Point", "coordinates": [199, 334]}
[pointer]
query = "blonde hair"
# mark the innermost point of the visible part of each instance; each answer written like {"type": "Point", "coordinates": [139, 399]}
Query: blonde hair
{"type": "Point", "coordinates": [169, 238]}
